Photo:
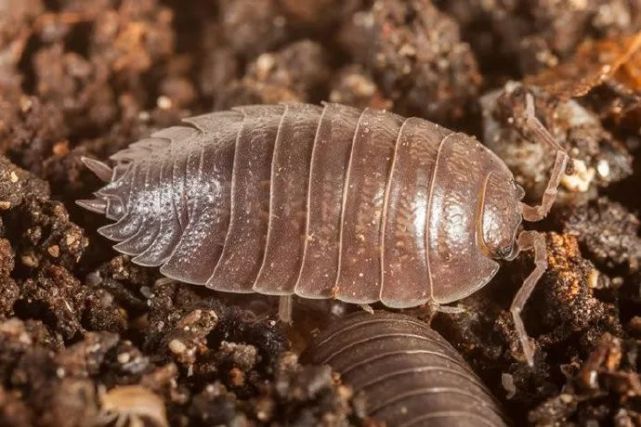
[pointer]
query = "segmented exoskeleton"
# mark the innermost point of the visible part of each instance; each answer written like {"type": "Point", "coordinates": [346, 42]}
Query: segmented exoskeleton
{"type": "Point", "coordinates": [408, 374]}
{"type": "Point", "coordinates": [321, 202]}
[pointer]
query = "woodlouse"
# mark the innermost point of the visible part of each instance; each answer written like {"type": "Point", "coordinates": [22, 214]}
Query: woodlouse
{"type": "Point", "coordinates": [321, 202]}
{"type": "Point", "coordinates": [408, 374]}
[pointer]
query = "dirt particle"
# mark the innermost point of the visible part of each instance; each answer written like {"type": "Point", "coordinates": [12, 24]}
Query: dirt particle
{"type": "Point", "coordinates": [54, 251]}
{"type": "Point", "coordinates": [177, 347]}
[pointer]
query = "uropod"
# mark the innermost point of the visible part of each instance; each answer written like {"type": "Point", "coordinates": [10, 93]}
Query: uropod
{"type": "Point", "coordinates": [324, 202]}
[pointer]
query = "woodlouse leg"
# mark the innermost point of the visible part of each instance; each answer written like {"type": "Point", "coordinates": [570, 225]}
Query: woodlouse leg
{"type": "Point", "coordinates": [163, 281]}
{"type": "Point", "coordinates": [433, 308]}
{"type": "Point", "coordinates": [285, 309]}
{"type": "Point", "coordinates": [528, 240]}
{"type": "Point", "coordinates": [451, 309]}
{"type": "Point", "coordinates": [366, 308]}
{"type": "Point", "coordinates": [537, 213]}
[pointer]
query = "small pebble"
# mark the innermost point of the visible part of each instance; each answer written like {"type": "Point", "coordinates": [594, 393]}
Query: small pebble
{"type": "Point", "coordinates": [177, 346]}
{"type": "Point", "coordinates": [54, 251]}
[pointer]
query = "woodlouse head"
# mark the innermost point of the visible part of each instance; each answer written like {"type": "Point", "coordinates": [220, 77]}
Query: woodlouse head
{"type": "Point", "coordinates": [501, 216]}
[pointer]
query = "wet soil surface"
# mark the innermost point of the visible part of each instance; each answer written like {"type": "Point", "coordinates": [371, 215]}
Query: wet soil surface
{"type": "Point", "coordinates": [88, 338]}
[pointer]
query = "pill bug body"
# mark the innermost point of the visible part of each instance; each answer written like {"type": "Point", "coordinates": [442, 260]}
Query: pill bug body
{"type": "Point", "coordinates": [408, 374]}
{"type": "Point", "coordinates": [330, 201]}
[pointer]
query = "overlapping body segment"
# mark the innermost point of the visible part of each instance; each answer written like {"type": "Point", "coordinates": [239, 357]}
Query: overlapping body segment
{"type": "Point", "coordinates": [404, 246]}
{"type": "Point", "coordinates": [359, 270]}
{"type": "Point", "coordinates": [327, 173]}
{"type": "Point", "coordinates": [321, 202]}
{"type": "Point", "coordinates": [248, 204]}
{"type": "Point", "coordinates": [289, 184]}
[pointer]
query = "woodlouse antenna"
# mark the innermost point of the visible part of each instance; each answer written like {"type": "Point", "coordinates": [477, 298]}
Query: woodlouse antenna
{"type": "Point", "coordinates": [532, 240]}
{"type": "Point", "coordinates": [528, 240]}
{"type": "Point", "coordinates": [537, 213]}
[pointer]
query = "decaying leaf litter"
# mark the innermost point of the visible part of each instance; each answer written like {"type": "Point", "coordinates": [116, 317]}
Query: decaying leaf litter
{"type": "Point", "coordinates": [82, 326]}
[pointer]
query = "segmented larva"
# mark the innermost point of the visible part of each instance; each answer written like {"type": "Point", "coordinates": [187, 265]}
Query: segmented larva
{"type": "Point", "coordinates": [321, 202]}
{"type": "Point", "coordinates": [408, 374]}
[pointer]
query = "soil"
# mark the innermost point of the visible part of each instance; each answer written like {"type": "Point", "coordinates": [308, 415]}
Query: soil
{"type": "Point", "coordinates": [88, 338]}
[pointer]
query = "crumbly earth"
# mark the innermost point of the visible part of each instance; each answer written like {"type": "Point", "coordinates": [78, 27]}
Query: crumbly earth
{"type": "Point", "coordinates": [88, 338]}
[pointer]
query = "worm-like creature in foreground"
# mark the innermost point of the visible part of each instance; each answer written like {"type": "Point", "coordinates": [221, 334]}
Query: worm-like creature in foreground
{"type": "Point", "coordinates": [408, 373]}
{"type": "Point", "coordinates": [323, 202]}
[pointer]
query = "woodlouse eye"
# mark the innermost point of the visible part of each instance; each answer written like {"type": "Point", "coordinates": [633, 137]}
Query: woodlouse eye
{"type": "Point", "coordinates": [504, 252]}
{"type": "Point", "coordinates": [501, 215]}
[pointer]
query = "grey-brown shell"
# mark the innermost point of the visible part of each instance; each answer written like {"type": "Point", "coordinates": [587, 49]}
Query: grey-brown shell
{"type": "Point", "coordinates": [408, 374]}
{"type": "Point", "coordinates": [320, 202]}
